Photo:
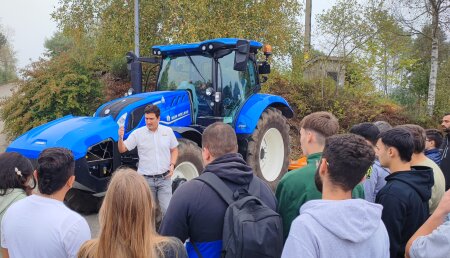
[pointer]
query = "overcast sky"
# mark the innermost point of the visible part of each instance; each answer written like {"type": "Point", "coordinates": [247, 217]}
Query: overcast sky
{"type": "Point", "coordinates": [28, 24]}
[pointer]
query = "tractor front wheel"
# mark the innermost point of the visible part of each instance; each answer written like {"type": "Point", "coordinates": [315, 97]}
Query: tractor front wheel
{"type": "Point", "coordinates": [268, 147]}
{"type": "Point", "coordinates": [189, 163]}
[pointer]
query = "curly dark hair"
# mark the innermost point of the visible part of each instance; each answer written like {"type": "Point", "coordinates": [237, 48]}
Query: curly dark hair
{"type": "Point", "coordinates": [55, 167]}
{"type": "Point", "coordinates": [15, 172]}
{"type": "Point", "coordinates": [348, 157]}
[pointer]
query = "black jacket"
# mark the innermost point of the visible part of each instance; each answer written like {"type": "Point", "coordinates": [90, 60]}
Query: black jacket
{"type": "Point", "coordinates": [445, 162]}
{"type": "Point", "coordinates": [196, 211]}
{"type": "Point", "coordinates": [405, 205]}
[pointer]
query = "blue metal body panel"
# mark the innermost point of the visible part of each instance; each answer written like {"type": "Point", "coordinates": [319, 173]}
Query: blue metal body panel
{"type": "Point", "coordinates": [74, 133]}
{"type": "Point", "coordinates": [251, 111]}
{"type": "Point", "coordinates": [79, 133]}
{"type": "Point", "coordinates": [181, 48]}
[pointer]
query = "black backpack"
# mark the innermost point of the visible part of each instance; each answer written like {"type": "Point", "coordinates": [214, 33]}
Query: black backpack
{"type": "Point", "coordinates": [251, 229]}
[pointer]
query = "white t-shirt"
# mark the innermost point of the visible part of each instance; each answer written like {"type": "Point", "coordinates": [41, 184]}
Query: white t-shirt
{"type": "Point", "coordinates": [153, 148]}
{"type": "Point", "coordinates": [38, 227]}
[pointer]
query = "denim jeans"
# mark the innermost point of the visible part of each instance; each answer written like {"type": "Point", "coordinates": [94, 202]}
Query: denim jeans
{"type": "Point", "coordinates": [161, 191]}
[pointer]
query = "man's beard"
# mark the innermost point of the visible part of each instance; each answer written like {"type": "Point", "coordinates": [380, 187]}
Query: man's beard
{"type": "Point", "coordinates": [446, 130]}
{"type": "Point", "coordinates": [318, 180]}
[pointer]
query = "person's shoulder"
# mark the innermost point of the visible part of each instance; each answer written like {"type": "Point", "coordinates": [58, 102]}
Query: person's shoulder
{"type": "Point", "coordinates": [165, 128]}
{"type": "Point", "coordinates": [298, 176]}
{"type": "Point", "coordinates": [172, 247]}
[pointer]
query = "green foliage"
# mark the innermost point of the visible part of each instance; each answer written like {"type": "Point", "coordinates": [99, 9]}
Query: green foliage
{"type": "Point", "coordinates": [57, 44]}
{"type": "Point", "coordinates": [51, 90]}
{"type": "Point", "coordinates": [352, 105]}
{"type": "Point", "coordinates": [7, 59]}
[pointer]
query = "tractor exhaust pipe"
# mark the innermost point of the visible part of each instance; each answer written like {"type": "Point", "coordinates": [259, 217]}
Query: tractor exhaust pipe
{"type": "Point", "coordinates": [134, 65]}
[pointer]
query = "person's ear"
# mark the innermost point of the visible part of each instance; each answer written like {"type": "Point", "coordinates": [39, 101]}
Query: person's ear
{"type": "Point", "coordinates": [309, 136]}
{"type": "Point", "coordinates": [35, 174]}
{"type": "Point", "coordinates": [391, 152]}
{"type": "Point", "coordinates": [323, 168]}
{"type": "Point", "coordinates": [71, 181]}
{"type": "Point", "coordinates": [206, 155]}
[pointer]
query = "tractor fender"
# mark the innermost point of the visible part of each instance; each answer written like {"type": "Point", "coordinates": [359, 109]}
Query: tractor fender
{"type": "Point", "coordinates": [188, 133]}
{"type": "Point", "coordinates": [251, 111]}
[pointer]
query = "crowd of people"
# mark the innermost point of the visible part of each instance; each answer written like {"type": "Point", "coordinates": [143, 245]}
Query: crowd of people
{"type": "Point", "coordinates": [376, 191]}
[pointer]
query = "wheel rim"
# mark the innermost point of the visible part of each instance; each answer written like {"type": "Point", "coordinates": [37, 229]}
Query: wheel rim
{"type": "Point", "coordinates": [271, 154]}
{"type": "Point", "coordinates": [186, 170]}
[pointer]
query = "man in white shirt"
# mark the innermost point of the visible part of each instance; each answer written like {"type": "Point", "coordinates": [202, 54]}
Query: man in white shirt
{"type": "Point", "coordinates": [41, 225]}
{"type": "Point", "coordinates": [157, 151]}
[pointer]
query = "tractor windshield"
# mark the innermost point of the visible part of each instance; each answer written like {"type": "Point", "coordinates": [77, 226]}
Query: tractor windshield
{"type": "Point", "coordinates": [180, 72]}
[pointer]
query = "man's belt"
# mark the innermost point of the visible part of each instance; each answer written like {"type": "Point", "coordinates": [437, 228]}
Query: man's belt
{"type": "Point", "coordinates": [163, 175]}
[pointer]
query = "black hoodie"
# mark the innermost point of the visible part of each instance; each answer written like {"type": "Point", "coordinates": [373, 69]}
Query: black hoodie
{"type": "Point", "coordinates": [445, 162]}
{"type": "Point", "coordinates": [196, 211]}
{"type": "Point", "coordinates": [405, 205]}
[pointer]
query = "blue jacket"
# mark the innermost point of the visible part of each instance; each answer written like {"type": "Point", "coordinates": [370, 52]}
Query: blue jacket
{"type": "Point", "coordinates": [196, 212]}
{"type": "Point", "coordinates": [435, 155]}
{"type": "Point", "coordinates": [375, 180]}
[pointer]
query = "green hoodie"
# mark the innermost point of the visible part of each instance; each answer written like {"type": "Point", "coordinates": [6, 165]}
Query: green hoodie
{"type": "Point", "coordinates": [297, 187]}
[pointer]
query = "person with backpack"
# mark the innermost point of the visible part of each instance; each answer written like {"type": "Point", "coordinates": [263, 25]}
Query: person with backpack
{"type": "Point", "coordinates": [208, 209]}
{"type": "Point", "coordinates": [337, 225]}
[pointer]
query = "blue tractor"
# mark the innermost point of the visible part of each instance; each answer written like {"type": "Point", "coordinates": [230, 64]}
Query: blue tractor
{"type": "Point", "coordinates": [198, 84]}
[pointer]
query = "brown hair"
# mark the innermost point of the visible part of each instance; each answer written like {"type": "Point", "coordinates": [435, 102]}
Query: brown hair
{"type": "Point", "coordinates": [419, 136]}
{"type": "Point", "coordinates": [220, 139]}
{"type": "Point", "coordinates": [152, 109]}
{"type": "Point", "coordinates": [323, 123]}
{"type": "Point", "coordinates": [127, 221]}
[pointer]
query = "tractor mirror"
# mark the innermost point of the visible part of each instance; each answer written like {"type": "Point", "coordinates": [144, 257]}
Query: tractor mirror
{"type": "Point", "coordinates": [264, 68]}
{"type": "Point", "coordinates": [242, 54]}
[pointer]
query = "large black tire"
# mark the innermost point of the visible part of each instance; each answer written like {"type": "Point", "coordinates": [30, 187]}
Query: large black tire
{"type": "Point", "coordinates": [269, 161]}
{"type": "Point", "coordinates": [82, 202]}
{"type": "Point", "coordinates": [189, 163]}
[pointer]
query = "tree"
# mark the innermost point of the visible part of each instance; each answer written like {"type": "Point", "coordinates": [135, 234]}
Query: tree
{"type": "Point", "coordinates": [414, 14]}
{"type": "Point", "coordinates": [7, 59]}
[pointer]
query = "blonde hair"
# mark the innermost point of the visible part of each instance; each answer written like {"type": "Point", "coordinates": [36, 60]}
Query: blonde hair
{"type": "Point", "coordinates": [127, 221]}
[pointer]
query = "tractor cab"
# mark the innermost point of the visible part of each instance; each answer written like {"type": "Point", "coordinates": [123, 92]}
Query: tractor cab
{"type": "Point", "coordinates": [219, 74]}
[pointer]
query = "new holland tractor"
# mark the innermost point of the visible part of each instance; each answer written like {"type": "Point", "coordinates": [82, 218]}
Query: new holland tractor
{"type": "Point", "coordinates": [198, 84]}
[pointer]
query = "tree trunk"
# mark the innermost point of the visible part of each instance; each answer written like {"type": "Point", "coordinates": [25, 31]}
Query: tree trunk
{"type": "Point", "coordinates": [434, 61]}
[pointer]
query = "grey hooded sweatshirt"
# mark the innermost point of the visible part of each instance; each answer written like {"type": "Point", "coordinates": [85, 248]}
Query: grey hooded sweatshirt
{"type": "Point", "coordinates": [347, 228]}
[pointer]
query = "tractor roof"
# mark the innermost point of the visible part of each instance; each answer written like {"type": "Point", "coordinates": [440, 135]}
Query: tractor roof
{"type": "Point", "coordinates": [197, 47]}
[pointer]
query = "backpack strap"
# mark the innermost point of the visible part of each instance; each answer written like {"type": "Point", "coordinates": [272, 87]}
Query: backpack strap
{"type": "Point", "coordinates": [255, 187]}
{"type": "Point", "coordinates": [218, 186]}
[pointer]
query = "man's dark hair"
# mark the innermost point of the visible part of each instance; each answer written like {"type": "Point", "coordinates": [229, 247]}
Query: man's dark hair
{"type": "Point", "coordinates": [152, 109]}
{"type": "Point", "coordinates": [400, 139]}
{"type": "Point", "coordinates": [55, 167]}
{"type": "Point", "coordinates": [220, 139]}
{"type": "Point", "coordinates": [434, 135]}
{"type": "Point", "coordinates": [383, 126]}
{"type": "Point", "coordinates": [323, 123]}
{"type": "Point", "coordinates": [15, 170]}
{"type": "Point", "coordinates": [349, 157]}
{"type": "Point", "coordinates": [419, 137]}
{"type": "Point", "coordinates": [367, 130]}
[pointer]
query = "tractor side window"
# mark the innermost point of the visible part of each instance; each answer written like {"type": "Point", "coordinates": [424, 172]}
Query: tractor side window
{"type": "Point", "coordinates": [134, 118]}
{"type": "Point", "coordinates": [235, 86]}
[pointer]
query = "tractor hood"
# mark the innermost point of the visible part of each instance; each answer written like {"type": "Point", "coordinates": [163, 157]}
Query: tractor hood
{"type": "Point", "coordinates": [74, 133]}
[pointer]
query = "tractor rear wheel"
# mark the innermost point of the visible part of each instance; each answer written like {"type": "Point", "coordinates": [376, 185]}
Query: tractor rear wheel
{"type": "Point", "coordinates": [268, 147]}
{"type": "Point", "coordinates": [189, 163]}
